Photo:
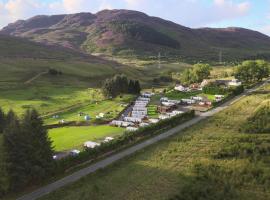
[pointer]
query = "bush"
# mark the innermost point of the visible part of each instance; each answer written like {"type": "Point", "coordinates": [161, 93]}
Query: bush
{"type": "Point", "coordinates": [54, 72]}
{"type": "Point", "coordinates": [210, 183]}
{"type": "Point", "coordinates": [259, 122]}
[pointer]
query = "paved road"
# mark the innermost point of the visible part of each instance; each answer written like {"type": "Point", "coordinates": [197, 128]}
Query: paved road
{"type": "Point", "coordinates": [102, 164]}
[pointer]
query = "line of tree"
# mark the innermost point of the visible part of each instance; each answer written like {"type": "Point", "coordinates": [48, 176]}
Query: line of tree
{"type": "Point", "coordinates": [120, 84]}
{"type": "Point", "coordinates": [28, 153]}
{"type": "Point", "coordinates": [252, 71]}
{"type": "Point", "coordinates": [2, 120]}
{"type": "Point", "coordinates": [196, 74]}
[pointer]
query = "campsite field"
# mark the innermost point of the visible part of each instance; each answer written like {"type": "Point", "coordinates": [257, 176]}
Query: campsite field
{"type": "Point", "coordinates": [68, 138]}
{"type": "Point", "coordinates": [111, 109]}
{"type": "Point", "coordinates": [213, 158]}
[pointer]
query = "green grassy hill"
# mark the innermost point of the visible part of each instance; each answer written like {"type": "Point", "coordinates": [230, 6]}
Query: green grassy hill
{"type": "Point", "coordinates": [212, 160]}
{"type": "Point", "coordinates": [21, 87]}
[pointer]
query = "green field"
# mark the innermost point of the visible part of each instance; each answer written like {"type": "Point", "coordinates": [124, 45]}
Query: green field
{"type": "Point", "coordinates": [111, 109]}
{"type": "Point", "coordinates": [68, 138]}
{"type": "Point", "coordinates": [211, 160]}
{"type": "Point", "coordinates": [177, 95]}
{"type": "Point", "coordinates": [152, 111]}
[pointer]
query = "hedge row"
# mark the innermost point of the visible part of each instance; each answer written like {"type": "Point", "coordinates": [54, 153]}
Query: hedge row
{"type": "Point", "coordinates": [123, 141]}
{"type": "Point", "coordinates": [232, 92]}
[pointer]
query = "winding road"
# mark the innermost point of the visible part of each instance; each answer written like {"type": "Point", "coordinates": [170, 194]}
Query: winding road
{"type": "Point", "coordinates": [108, 161]}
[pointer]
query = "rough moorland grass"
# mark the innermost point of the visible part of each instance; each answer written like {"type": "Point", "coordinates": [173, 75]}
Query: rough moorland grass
{"type": "Point", "coordinates": [47, 98]}
{"type": "Point", "coordinates": [74, 137]}
{"type": "Point", "coordinates": [166, 169]}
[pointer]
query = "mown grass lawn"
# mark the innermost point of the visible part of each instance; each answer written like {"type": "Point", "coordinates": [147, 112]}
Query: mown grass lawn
{"type": "Point", "coordinates": [68, 138]}
{"type": "Point", "coordinates": [111, 109]}
{"type": "Point", "coordinates": [170, 167]}
{"type": "Point", "coordinates": [176, 95]}
{"type": "Point", "coordinates": [152, 111]}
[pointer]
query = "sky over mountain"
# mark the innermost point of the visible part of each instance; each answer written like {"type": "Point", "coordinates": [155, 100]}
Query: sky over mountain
{"type": "Point", "coordinates": [253, 14]}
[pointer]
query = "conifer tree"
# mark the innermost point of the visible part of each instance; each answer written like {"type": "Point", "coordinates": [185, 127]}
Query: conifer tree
{"type": "Point", "coordinates": [14, 152]}
{"type": "Point", "coordinates": [131, 85]}
{"type": "Point", "coordinates": [137, 87]}
{"type": "Point", "coordinates": [38, 146]}
{"type": "Point", "coordinates": [2, 121]}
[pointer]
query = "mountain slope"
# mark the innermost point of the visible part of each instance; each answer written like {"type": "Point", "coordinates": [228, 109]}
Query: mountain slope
{"type": "Point", "coordinates": [126, 32]}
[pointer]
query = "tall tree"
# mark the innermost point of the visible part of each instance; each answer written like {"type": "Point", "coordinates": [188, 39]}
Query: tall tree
{"type": "Point", "coordinates": [17, 166]}
{"type": "Point", "coordinates": [38, 146]}
{"type": "Point", "coordinates": [252, 71]}
{"type": "Point", "coordinates": [131, 86]}
{"type": "Point", "coordinates": [197, 74]}
{"type": "Point", "coordinates": [137, 87]}
{"type": "Point", "coordinates": [2, 120]}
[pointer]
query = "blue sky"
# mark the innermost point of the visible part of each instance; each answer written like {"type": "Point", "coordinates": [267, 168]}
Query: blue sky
{"type": "Point", "coordinates": [253, 14]}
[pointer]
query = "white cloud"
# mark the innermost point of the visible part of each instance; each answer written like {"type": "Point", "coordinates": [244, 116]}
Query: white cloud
{"type": "Point", "coordinates": [187, 12]}
{"type": "Point", "coordinates": [265, 29]}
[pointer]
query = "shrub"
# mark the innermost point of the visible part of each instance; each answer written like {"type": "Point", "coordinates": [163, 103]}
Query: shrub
{"type": "Point", "coordinates": [259, 122]}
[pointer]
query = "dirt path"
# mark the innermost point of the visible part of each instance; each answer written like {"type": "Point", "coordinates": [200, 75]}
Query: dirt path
{"type": "Point", "coordinates": [35, 77]}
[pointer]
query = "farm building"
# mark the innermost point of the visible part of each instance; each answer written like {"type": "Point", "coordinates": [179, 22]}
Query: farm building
{"type": "Point", "coordinates": [131, 129]}
{"type": "Point", "coordinates": [74, 152]}
{"type": "Point", "coordinates": [188, 101]}
{"type": "Point", "coordinates": [142, 103]}
{"type": "Point", "coordinates": [147, 95]}
{"type": "Point", "coordinates": [121, 123]}
{"type": "Point", "coordinates": [164, 99]}
{"type": "Point", "coordinates": [168, 104]}
{"type": "Point", "coordinates": [143, 113]}
{"type": "Point", "coordinates": [153, 121]}
{"type": "Point", "coordinates": [162, 117]}
{"type": "Point", "coordinates": [138, 116]}
{"type": "Point", "coordinates": [166, 109]}
{"type": "Point", "coordinates": [143, 124]}
{"type": "Point", "coordinates": [133, 119]}
{"type": "Point", "coordinates": [235, 82]}
{"type": "Point", "coordinates": [205, 82]}
{"type": "Point", "coordinates": [180, 88]}
{"type": "Point", "coordinates": [197, 98]}
{"type": "Point", "coordinates": [174, 113]}
{"type": "Point", "coordinates": [178, 112]}
{"type": "Point", "coordinates": [219, 98]}
{"type": "Point", "coordinates": [91, 145]}
{"type": "Point", "coordinates": [108, 139]}
{"type": "Point", "coordinates": [143, 99]}
{"type": "Point", "coordinates": [174, 101]}
{"type": "Point", "coordinates": [140, 108]}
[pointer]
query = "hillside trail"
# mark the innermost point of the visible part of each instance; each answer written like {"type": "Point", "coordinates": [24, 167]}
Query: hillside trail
{"type": "Point", "coordinates": [35, 77]}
